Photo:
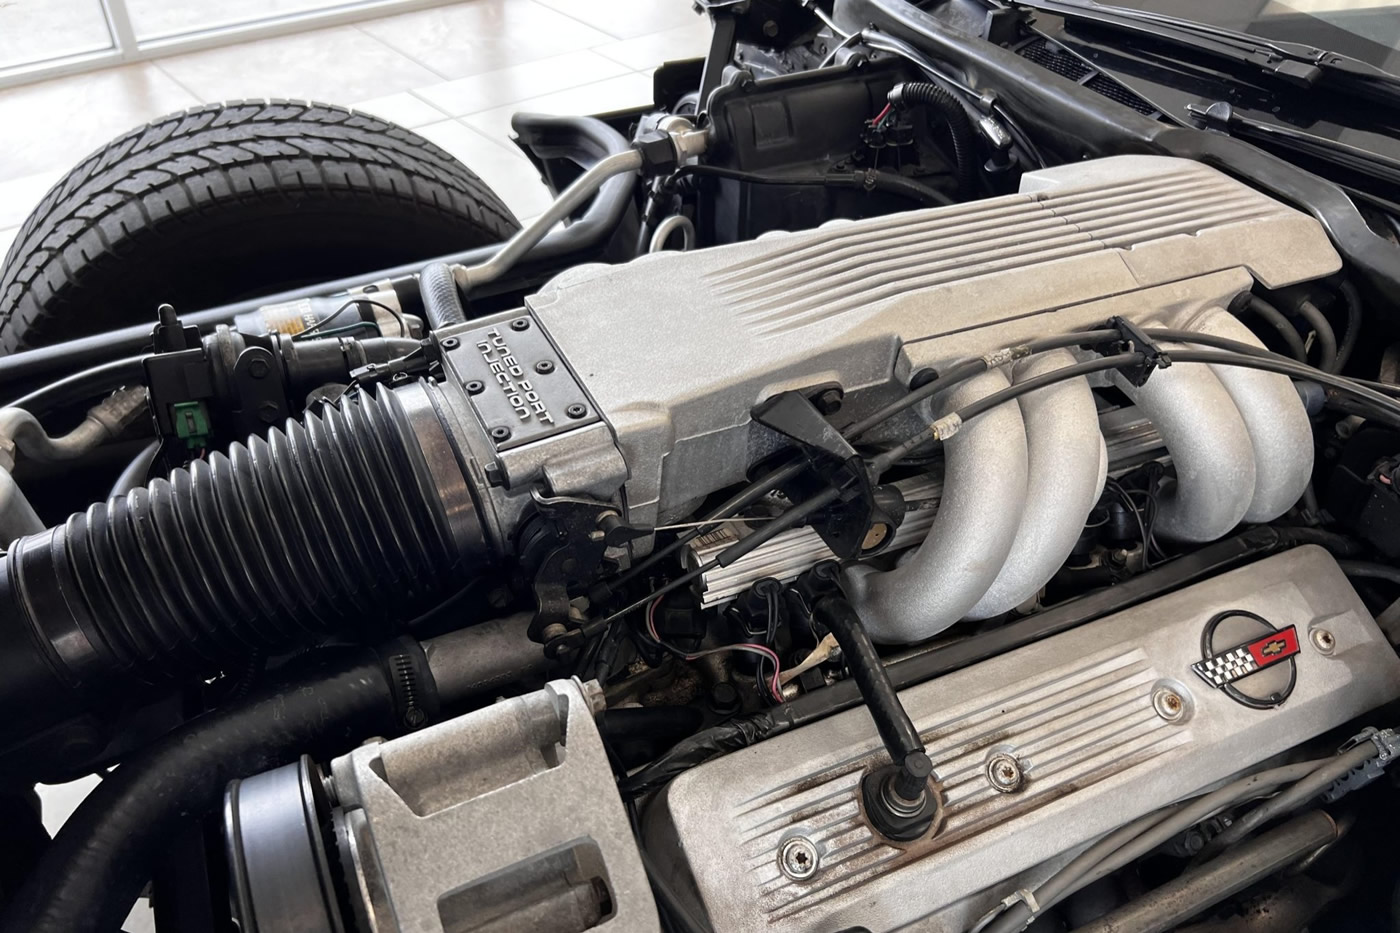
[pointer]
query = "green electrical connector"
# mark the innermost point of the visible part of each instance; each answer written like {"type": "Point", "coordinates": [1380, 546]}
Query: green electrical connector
{"type": "Point", "coordinates": [191, 421]}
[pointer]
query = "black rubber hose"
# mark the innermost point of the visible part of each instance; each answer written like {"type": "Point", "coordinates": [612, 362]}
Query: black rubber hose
{"type": "Point", "coordinates": [1326, 336]}
{"type": "Point", "coordinates": [82, 386]}
{"type": "Point", "coordinates": [1351, 300]}
{"type": "Point", "coordinates": [1370, 570]}
{"type": "Point", "coordinates": [1275, 319]}
{"type": "Point", "coordinates": [102, 857]}
{"type": "Point", "coordinates": [442, 302]}
{"type": "Point", "coordinates": [331, 526]}
{"type": "Point", "coordinates": [915, 93]}
{"type": "Point", "coordinates": [868, 671]}
{"type": "Point", "coordinates": [138, 471]}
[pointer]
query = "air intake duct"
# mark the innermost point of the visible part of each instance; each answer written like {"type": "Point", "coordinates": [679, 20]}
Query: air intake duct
{"type": "Point", "coordinates": [346, 522]}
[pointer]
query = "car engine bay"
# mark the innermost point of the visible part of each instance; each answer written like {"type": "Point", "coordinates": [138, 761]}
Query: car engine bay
{"type": "Point", "coordinates": [941, 496]}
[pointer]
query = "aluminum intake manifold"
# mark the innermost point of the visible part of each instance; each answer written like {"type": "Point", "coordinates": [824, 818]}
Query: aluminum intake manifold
{"type": "Point", "coordinates": [640, 378]}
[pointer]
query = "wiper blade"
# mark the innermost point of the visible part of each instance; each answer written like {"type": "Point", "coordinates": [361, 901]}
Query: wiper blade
{"type": "Point", "coordinates": [1294, 62]}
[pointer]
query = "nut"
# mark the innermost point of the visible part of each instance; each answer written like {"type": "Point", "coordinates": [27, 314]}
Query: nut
{"type": "Point", "coordinates": [1168, 704]}
{"type": "Point", "coordinates": [520, 323]}
{"type": "Point", "coordinates": [1323, 640]}
{"type": "Point", "coordinates": [798, 858]}
{"type": "Point", "coordinates": [544, 367]}
{"type": "Point", "coordinates": [500, 433]}
{"type": "Point", "coordinates": [450, 343]}
{"type": "Point", "coordinates": [475, 387]}
{"type": "Point", "coordinates": [1004, 773]}
{"type": "Point", "coordinates": [576, 410]}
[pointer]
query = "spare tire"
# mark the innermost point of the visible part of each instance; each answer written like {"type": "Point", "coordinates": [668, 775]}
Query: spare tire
{"type": "Point", "coordinates": [233, 201]}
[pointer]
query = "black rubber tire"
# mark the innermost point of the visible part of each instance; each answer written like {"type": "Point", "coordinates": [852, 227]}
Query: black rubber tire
{"type": "Point", "coordinates": [231, 201]}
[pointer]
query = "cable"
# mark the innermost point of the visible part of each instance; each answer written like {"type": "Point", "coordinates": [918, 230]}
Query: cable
{"type": "Point", "coordinates": [763, 651]}
{"type": "Point", "coordinates": [1369, 570]}
{"type": "Point", "coordinates": [1117, 489]}
{"type": "Point", "coordinates": [1297, 795]}
{"type": "Point", "coordinates": [398, 316]}
{"type": "Point", "coordinates": [1141, 837]}
{"type": "Point", "coordinates": [867, 179]}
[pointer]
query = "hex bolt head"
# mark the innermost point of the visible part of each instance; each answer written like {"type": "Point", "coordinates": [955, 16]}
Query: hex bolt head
{"type": "Point", "coordinates": [500, 433]}
{"type": "Point", "coordinates": [1323, 640]}
{"type": "Point", "coordinates": [1168, 704]}
{"type": "Point", "coordinates": [544, 367]}
{"type": "Point", "coordinates": [450, 343]}
{"type": "Point", "coordinates": [475, 387]}
{"type": "Point", "coordinates": [258, 368]}
{"type": "Point", "coordinates": [520, 323]}
{"type": "Point", "coordinates": [576, 410]}
{"type": "Point", "coordinates": [1004, 773]}
{"type": "Point", "coordinates": [798, 858]}
{"type": "Point", "coordinates": [268, 413]}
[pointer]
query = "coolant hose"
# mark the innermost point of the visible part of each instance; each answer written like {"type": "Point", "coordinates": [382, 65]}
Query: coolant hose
{"type": "Point", "coordinates": [96, 866]}
{"type": "Point", "coordinates": [334, 525]}
{"type": "Point", "coordinates": [914, 93]}
{"type": "Point", "coordinates": [442, 302]}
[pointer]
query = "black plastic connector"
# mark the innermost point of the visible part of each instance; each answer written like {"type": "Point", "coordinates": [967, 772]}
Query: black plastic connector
{"type": "Point", "coordinates": [658, 153]}
{"type": "Point", "coordinates": [1132, 338]}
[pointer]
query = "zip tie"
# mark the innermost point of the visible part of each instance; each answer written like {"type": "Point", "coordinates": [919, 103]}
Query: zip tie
{"type": "Point", "coordinates": [945, 427]}
{"type": "Point", "coordinates": [1023, 895]}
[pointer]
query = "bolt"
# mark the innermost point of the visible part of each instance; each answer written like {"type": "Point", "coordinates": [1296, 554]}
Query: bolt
{"type": "Point", "coordinates": [520, 323]}
{"type": "Point", "coordinates": [414, 717]}
{"type": "Point", "coordinates": [770, 29]}
{"type": "Point", "coordinates": [500, 433]}
{"type": "Point", "coordinates": [798, 858]}
{"type": "Point", "coordinates": [544, 367]}
{"type": "Point", "coordinates": [475, 387]}
{"type": "Point", "coordinates": [1004, 773]}
{"type": "Point", "coordinates": [1168, 704]}
{"type": "Point", "coordinates": [399, 377]}
{"type": "Point", "coordinates": [268, 412]}
{"type": "Point", "coordinates": [258, 368]}
{"type": "Point", "coordinates": [450, 343]}
{"type": "Point", "coordinates": [828, 401]}
{"type": "Point", "coordinates": [1323, 641]}
{"type": "Point", "coordinates": [576, 410]}
{"type": "Point", "coordinates": [554, 630]}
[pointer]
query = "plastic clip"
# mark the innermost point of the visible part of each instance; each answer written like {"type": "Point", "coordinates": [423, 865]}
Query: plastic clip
{"type": "Point", "coordinates": [1132, 338]}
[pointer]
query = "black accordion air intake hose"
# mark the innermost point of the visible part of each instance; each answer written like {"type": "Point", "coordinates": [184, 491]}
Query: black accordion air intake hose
{"type": "Point", "coordinates": [333, 525]}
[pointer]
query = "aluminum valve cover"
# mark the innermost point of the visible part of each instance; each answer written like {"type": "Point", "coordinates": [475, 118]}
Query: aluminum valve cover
{"type": "Point", "coordinates": [1085, 718]}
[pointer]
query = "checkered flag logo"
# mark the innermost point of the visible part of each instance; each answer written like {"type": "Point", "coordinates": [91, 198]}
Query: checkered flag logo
{"type": "Point", "coordinates": [1242, 660]}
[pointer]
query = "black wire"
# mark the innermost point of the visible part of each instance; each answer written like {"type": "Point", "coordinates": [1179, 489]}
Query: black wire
{"type": "Point", "coordinates": [873, 178]}
{"type": "Point", "coordinates": [398, 316]}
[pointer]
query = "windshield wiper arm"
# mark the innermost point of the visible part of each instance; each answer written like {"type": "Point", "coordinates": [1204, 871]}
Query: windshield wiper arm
{"type": "Point", "coordinates": [1303, 65]}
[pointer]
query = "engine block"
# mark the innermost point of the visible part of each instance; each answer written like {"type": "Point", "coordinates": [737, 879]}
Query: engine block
{"type": "Point", "coordinates": [1038, 752]}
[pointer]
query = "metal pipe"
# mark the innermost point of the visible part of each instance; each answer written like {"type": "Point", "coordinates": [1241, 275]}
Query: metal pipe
{"type": "Point", "coordinates": [1068, 464]}
{"type": "Point", "coordinates": [475, 661]}
{"type": "Point", "coordinates": [569, 200]}
{"type": "Point", "coordinates": [1277, 424]}
{"type": "Point", "coordinates": [1249, 862]}
{"type": "Point", "coordinates": [985, 471]}
{"type": "Point", "coordinates": [1210, 445]}
{"type": "Point", "coordinates": [669, 226]}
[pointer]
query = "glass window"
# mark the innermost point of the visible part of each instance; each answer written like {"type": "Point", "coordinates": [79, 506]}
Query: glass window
{"type": "Point", "coordinates": [156, 19]}
{"type": "Point", "coordinates": [34, 31]}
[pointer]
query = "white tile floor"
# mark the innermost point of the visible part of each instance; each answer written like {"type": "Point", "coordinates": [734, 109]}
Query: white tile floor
{"type": "Point", "coordinates": [454, 73]}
